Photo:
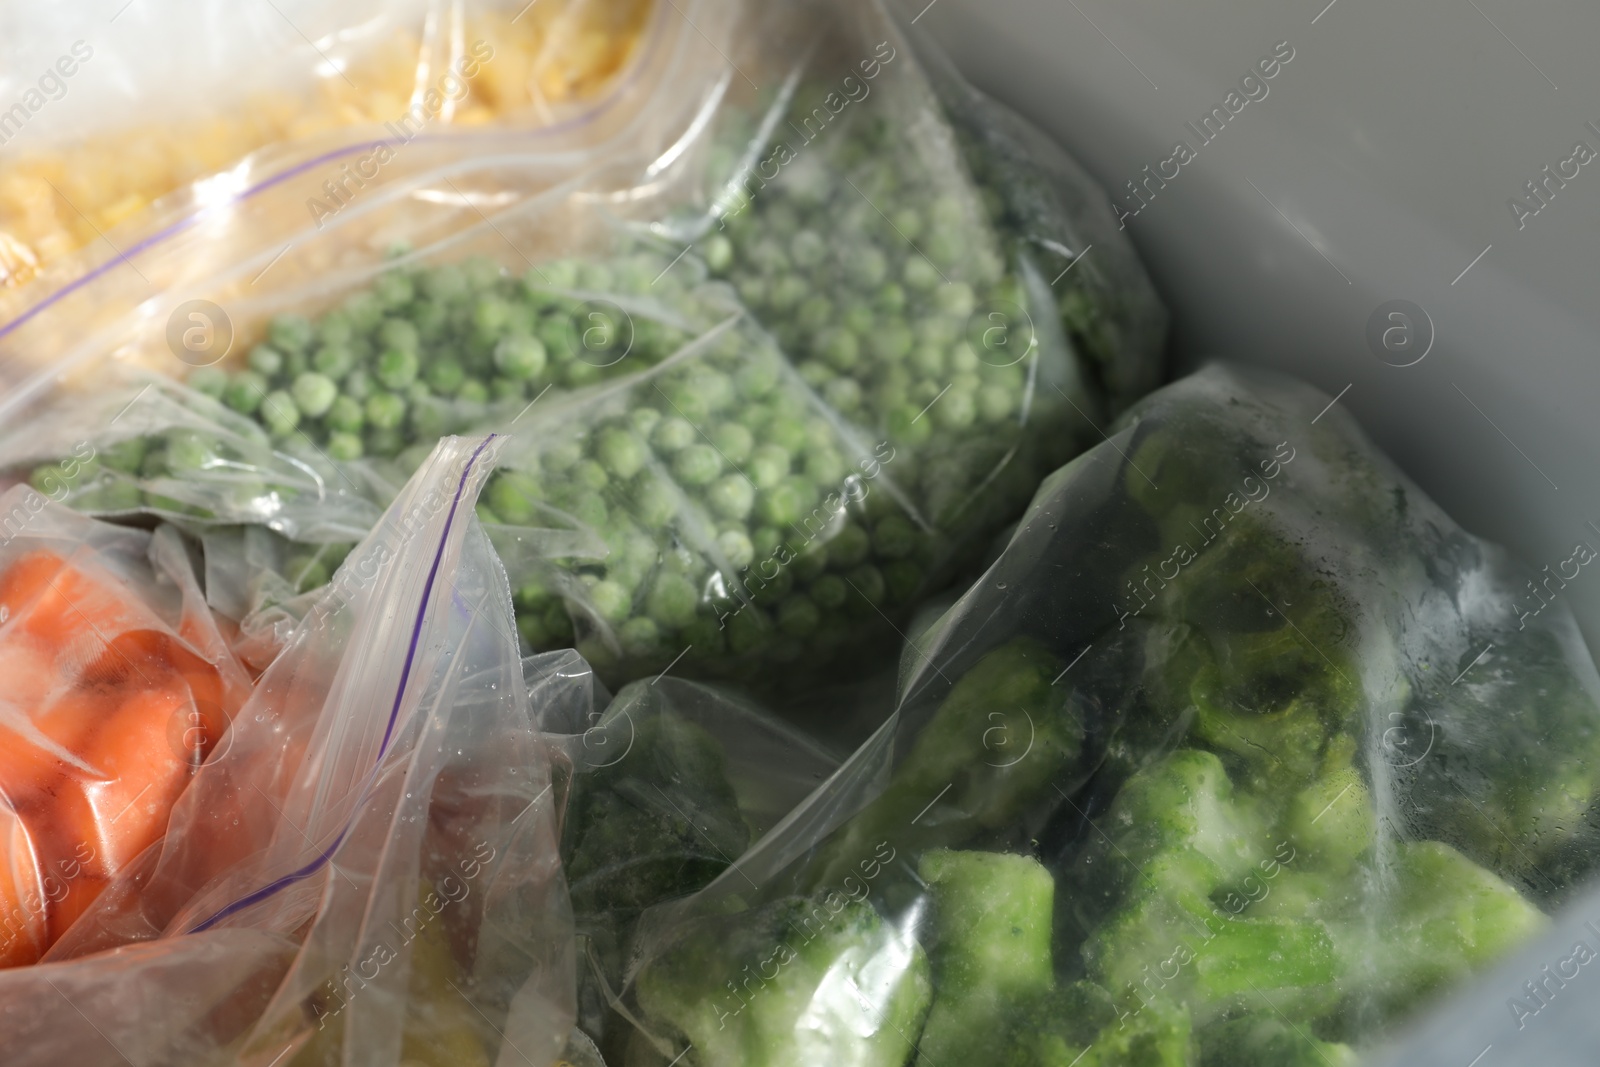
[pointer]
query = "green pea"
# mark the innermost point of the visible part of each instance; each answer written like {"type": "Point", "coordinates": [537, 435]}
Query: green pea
{"type": "Point", "coordinates": [908, 222]}
{"type": "Point", "coordinates": [289, 333]}
{"type": "Point", "coordinates": [956, 299]}
{"type": "Point", "coordinates": [445, 376]}
{"type": "Point", "coordinates": [343, 445]}
{"type": "Point", "coordinates": [590, 510]}
{"type": "Point", "coordinates": [588, 474]}
{"type": "Point", "coordinates": [266, 361]}
{"type": "Point", "coordinates": [808, 249]}
{"type": "Point", "coordinates": [843, 395]}
{"type": "Point", "coordinates": [697, 465]}
{"type": "Point", "coordinates": [798, 616]}
{"type": "Point", "coordinates": [787, 292]}
{"type": "Point", "coordinates": [769, 465]}
{"type": "Point", "coordinates": [757, 379]}
{"type": "Point", "coordinates": [513, 495]}
{"type": "Point", "coordinates": [858, 319]}
{"type": "Point", "coordinates": [672, 601]}
{"type": "Point", "coordinates": [314, 393]}
{"type": "Point", "coordinates": [928, 361]}
{"type": "Point", "coordinates": [644, 421]}
{"type": "Point", "coordinates": [752, 289]}
{"type": "Point", "coordinates": [503, 389]}
{"type": "Point", "coordinates": [815, 313]}
{"type": "Point", "coordinates": [399, 335]}
{"type": "Point", "coordinates": [785, 502]}
{"type": "Point", "coordinates": [126, 455]}
{"type": "Point", "coordinates": [473, 391]}
{"type": "Point", "coordinates": [244, 392]}
{"type": "Point", "coordinates": [333, 361]}
{"type": "Point", "coordinates": [621, 453]}
{"type": "Point", "coordinates": [955, 410]}
{"type": "Point", "coordinates": [731, 497]}
{"type": "Point", "coordinates": [673, 434]}
{"type": "Point", "coordinates": [705, 637]}
{"type": "Point", "coordinates": [428, 419]}
{"type": "Point", "coordinates": [520, 356]}
{"type": "Point", "coordinates": [279, 412]}
{"type": "Point", "coordinates": [867, 267]}
{"type": "Point", "coordinates": [995, 403]}
{"type": "Point", "coordinates": [918, 274]}
{"type": "Point", "coordinates": [358, 385]}
{"type": "Point", "coordinates": [640, 637]}
{"type": "Point", "coordinates": [788, 432]}
{"type": "Point", "coordinates": [894, 537]}
{"type": "Point", "coordinates": [815, 373]}
{"type": "Point", "coordinates": [611, 602]}
{"type": "Point", "coordinates": [654, 503]}
{"type": "Point", "coordinates": [848, 547]}
{"type": "Point", "coordinates": [736, 548]}
{"type": "Point", "coordinates": [963, 360]}
{"type": "Point", "coordinates": [294, 365]}
{"type": "Point", "coordinates": [577, 374]}
{"type": "Point", "coordinates": [890, 298]}
{"type": "Point", "coordinates": [396, 368]}
{"type": "Point", "coordinates": [868, 582]}
{"type": "Point", "coordinates": [211, 381]}
{"type": "Point", "coordinates": [385, 411]}
{"type": "Point", "coordinates": [909, 425]}
{"type": "Point", "coordinates": [840, 349]}
{"type": "Point", "coordinates": [770, 592]}
{"type": "Point", "coordinates": [892, 342]}
{"type": "Point", "coordinates": [829, 591]}
{"type": "Point", "coordinates": [748, 632]}
{"type": "Point", "coordinates": [904, 579]}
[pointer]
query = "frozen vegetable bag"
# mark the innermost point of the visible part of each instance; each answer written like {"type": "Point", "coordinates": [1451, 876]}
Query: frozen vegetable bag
{"type": "Point", "coordinates": [108, 126]}
{"type": "Point", "coordinates": [365, 871]}
{"type": "Point", "coordinates": [723, 496]}
{"type": "Point", "coordinates": [115, 684]}
{"type": "Point", "coordinates": [1241, 752]}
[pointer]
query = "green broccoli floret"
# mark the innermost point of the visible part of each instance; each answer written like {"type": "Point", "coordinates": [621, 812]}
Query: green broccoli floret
{"type": "Point", "coordinates": [1260, 1041]}
{"type": "Point", "coordinates": [991, 955]}
{"type": "Point", "coordinates": [796, 983]}
{"type": "Point", "coordinates": [661, 822]}
{"type": "Point", "coordinates": [1000, 739]}
{"type": "Point", "coordinates": [1445, 918]}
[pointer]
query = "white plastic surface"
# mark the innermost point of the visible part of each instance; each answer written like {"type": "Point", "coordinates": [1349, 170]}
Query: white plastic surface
{"type": "Point", "coordinates": [1378, 166]}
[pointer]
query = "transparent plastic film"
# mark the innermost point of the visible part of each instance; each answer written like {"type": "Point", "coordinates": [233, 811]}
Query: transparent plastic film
{"type": "Point", "coordinates": [1241, 752]}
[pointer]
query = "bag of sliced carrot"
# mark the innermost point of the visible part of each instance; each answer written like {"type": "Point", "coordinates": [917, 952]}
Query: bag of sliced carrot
{"type": "Point", "coordinates": [364, 869]}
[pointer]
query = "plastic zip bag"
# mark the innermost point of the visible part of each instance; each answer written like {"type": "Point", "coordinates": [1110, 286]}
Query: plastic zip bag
{"type": "Point", "coordinates": [670, 782]}
{"type": "Point", "coordinates": [119, 683]}
{"type": "Point", "coordinates": [375, 837]}
{"type": "Point", "coordinates": [893, 226]}
{"type": "Point", "coordinates": [84, 159]}
{"type": "Point", "coordinates": [288, 228]}
{"type": "Point", "coordinates": [1239, 754]}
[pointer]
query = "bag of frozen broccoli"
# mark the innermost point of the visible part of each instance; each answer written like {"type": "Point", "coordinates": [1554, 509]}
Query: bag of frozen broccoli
{"type": "Point", "coordinates": [365, 869]}
{"type": "Point", "coordinates": [1239, 754]}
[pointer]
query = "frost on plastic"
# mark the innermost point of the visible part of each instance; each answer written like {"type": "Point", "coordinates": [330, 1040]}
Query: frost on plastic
{"type": "Point", "coordinates": [1211, 766]}
{"type": "Point", "coordinates": [365, 871]}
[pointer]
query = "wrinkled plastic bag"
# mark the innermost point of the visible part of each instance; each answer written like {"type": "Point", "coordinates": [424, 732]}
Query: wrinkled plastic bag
{"type": "Point", "coordinates": [671, 780]}
{"type": "Point", "coordinates": [366, 868]}
{"type": "Point", "coordinates": [894, 227]}
{"type": "Point", "coordinates": [103, 126]}
{"type": "Point", "coordinates": [1239, 753]}
{"type": "Point", "coordinates": [119, 683]}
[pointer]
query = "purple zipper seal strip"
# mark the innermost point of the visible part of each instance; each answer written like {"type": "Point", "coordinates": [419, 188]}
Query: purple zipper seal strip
{"type": "Point", "coordinates": [326, 854]}
{"type": "Point", "coordinates": [160, 236]}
